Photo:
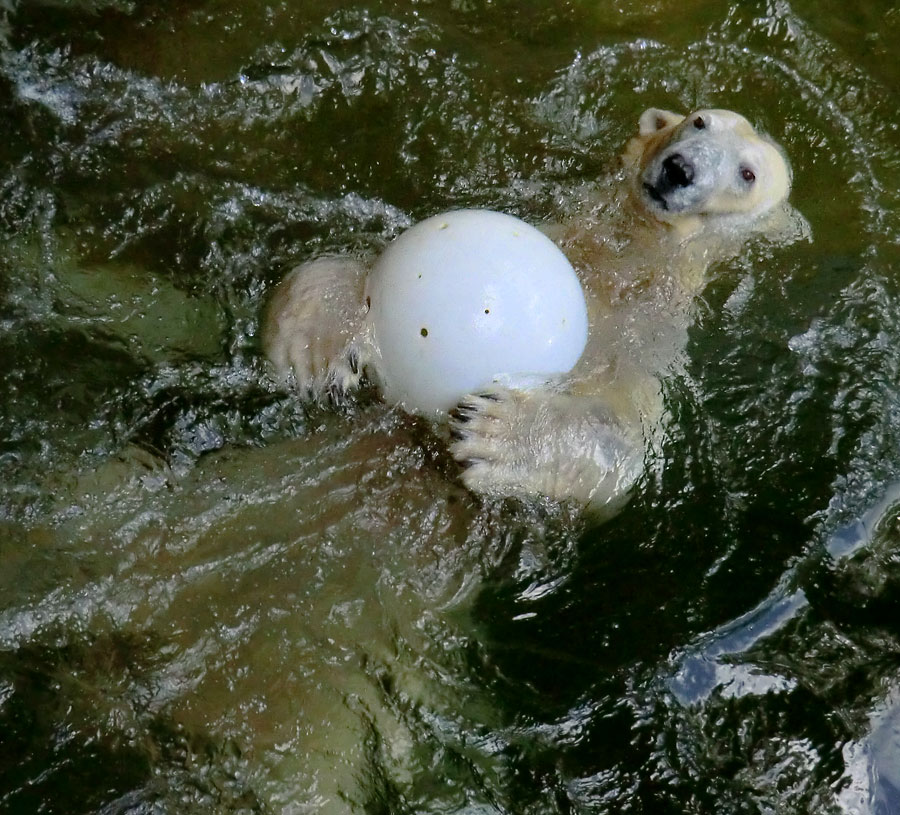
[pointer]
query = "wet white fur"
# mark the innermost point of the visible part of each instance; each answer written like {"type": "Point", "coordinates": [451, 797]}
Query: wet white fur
{"type": "Point", "coordinates": [583, 438]}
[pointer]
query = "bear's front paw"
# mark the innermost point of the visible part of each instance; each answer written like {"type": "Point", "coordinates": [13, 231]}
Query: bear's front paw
{"type": "Point", "coordinates": [318, 367]}
{"type": "Point", "coordinates": [310, 332]}
{"type": "Point", "coordinates": [485, 429]}
{"type": "Point", "coordinates": [533, 442]}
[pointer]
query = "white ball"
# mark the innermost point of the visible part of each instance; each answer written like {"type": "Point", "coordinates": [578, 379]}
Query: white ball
{"type": "Point", "coordinates": [465, 298]}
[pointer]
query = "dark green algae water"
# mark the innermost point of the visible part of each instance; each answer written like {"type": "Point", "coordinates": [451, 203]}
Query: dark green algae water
{"type": "Point", "coordinates": [215, 599]}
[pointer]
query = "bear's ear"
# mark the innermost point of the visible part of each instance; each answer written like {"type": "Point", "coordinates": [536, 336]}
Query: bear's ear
{"type": "Point", "coordinates": [654, 119]}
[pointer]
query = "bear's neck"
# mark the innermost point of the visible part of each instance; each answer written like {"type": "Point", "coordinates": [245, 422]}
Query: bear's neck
{"type": "Point", "coordinates": [642, 257]}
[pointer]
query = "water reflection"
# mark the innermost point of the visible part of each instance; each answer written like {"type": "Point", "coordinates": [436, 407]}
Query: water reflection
{"type": "Point", "coordinates": [874, 785]}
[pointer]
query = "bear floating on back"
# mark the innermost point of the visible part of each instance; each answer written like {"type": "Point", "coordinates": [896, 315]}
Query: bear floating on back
{"type": "Point", "coordinates": [691, 191]}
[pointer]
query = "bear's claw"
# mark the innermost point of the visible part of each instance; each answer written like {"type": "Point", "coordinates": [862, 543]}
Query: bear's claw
{"type": "Point", "coordinates": [478, 440]}
{"type": "Point", "coordinates": [312, 325]}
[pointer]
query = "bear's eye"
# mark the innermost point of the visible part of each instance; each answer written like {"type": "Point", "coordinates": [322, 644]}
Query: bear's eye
{"type": "Point", "coordinates": [699, 123]}
{"type": "Point", "coordinates": [748, 175]}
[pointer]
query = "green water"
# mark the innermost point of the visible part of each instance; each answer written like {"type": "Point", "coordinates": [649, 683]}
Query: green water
{"type": "Point", "coordinates": [216, 599]}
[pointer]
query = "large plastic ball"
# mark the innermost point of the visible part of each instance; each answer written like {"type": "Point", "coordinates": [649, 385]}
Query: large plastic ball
{"type": "Point", "coordinates": [467, 297]}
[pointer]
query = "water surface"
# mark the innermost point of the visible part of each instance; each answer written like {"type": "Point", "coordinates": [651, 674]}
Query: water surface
{"type": "Point", "coordinates": [217, 599]}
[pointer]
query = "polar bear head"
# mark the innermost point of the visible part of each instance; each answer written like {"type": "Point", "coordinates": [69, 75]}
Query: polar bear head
{"type": "Point", "coordinates": [710, 164]}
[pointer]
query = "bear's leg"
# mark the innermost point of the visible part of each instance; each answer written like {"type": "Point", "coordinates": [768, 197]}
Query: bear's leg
{"type": "Point", "coordinates": [513, 442]}
{"type": "Point", "coordinates": [312, 327]}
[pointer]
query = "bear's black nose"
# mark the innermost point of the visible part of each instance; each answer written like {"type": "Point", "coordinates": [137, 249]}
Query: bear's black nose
{"type": "Point", "coordinates": [679, 172]}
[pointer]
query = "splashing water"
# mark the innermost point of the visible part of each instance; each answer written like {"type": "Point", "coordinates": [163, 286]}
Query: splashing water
{"type": "Point", "coordinates": [218, 599]}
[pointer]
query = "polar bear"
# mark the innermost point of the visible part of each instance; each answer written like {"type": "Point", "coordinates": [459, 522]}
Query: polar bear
{"type": "Point", "coordinates": [690, 191]}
